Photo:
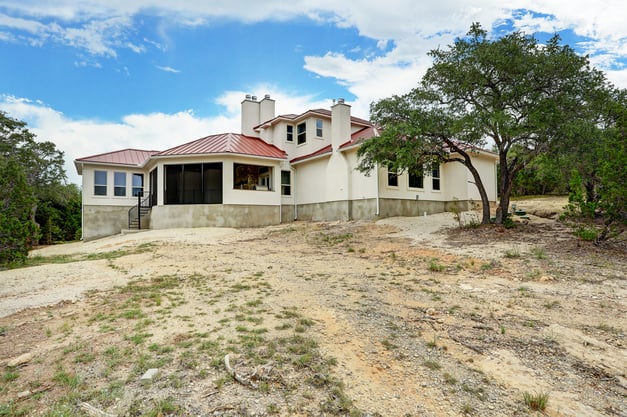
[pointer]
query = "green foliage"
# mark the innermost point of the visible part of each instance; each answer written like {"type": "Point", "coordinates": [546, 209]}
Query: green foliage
{"type": "Point", "coordinates": [32, 192]}
{"type": "Point", "coordinates": [17, 229]}
{"type": "Point", "coordinates": [523, 96]}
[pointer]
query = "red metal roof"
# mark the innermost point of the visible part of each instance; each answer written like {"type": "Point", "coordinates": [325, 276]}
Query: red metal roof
{"type": "Point", "coordinates": [356, 138]}
{"type": "Point", "coordinates": [131, 157]}
{"type": "Point", "coordinates": [321, 151]}
{"type": "Point", "coordinates": [226, 143]}
{"type": "Point", "coordinates": [323, 112]}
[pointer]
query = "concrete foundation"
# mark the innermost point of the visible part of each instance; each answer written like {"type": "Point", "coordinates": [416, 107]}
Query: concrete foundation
{"type": "Point", "coordinates": [367, 209]}
{"type": "Point", "coordinates": [101, 221]}
{"type": "Point", "coordinates": [213, 215]}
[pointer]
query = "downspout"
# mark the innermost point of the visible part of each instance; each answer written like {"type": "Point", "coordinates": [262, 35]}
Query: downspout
{"type": "Point", "coordinates": [82, 206]}
{"type": "Point", "coordinates": [294, 194]}
{"type": "Point", "coordinates": [376, 175]}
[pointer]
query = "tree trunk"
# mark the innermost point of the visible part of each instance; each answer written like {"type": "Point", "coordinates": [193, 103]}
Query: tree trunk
{"type": "Point", "coordinates": [505, 186]}
{"type": "Point", "coordinates": [485, 203]}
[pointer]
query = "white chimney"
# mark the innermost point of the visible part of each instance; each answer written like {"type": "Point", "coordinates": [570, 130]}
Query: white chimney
{"type": "Point", "coordinates": [266, 109]}
{"type": "Point", "coordinates": [250, 115]}
{"type": "Point", "coordinates": [340, 123]}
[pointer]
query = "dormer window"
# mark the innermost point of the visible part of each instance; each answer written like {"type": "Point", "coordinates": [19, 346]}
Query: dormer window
{"type": "Point", "coordinates": [289, 133]}
{"type": "Point", "coordinates": [318, 128]}
{"type": "Point", "coordinates": [301, 133]}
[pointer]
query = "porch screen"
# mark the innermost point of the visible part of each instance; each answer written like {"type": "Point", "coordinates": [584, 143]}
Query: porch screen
{"type": "Point", "coordinates": [193, 183]}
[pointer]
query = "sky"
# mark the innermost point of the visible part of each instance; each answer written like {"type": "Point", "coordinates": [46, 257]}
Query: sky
{"type": "Point", "coordinates": [95, 76]}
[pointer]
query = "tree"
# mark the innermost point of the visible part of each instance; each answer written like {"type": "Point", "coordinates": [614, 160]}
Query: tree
{"type": "Point", "coordinates": [31, 173]}
{"type": "Point", "coordinates": [17, 229]}
{"type": "Point", "coordinates": [513, 93]}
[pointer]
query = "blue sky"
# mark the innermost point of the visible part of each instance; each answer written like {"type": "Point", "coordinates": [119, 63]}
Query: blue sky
{"type": "Point", "coordinates": [95, 76]}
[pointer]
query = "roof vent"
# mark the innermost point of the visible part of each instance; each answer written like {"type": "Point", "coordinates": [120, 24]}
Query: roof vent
{"type": "Point", "coordinates": [254, 98]}
{"type": "Point", "coordinates": [248, 96]}
{"type": "Point", "coordinates": [267, 96]}
{"type": "Point", "coordinates": [340, 101]}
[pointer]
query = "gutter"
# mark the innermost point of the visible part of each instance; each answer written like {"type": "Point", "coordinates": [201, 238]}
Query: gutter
{"type": "Point", "coordinates": [378, 212]}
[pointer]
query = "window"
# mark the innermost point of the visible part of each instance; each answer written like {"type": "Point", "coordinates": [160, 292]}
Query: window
{"type": "Point", "coordinates": [435, 176]}
{"type": "Point", "coordinates": [392, 178]}
{"type": "Point", "coordinates": [119, 184]}
{"type": "Point", "coordinates": [286, 184]}
{"type": "Point", "coordinates": [138, 184]}
{"type": "Point", "coordinates": [252, 177]}
{"type": "Point", "coordinates": [289, 133]}
{"type": "Point", "coordinates": [301, 133]}
{"type": "Point", "coordinates": [416, 180]}
{"type": "Point", "coordinates": [318, 128]}
{"type": "Point", "coordinates": [100, 182]}
{"type": "Point", "coordinates": [193, 183]}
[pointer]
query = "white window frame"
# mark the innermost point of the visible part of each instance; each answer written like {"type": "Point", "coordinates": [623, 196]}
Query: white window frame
{"type": "Point", "coordinates": [117, 186]}
{"type": "Point", "coordinates": [98, 185]}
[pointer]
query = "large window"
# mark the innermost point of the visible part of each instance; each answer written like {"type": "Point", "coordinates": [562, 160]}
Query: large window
{"type": "Point", "coordinates": [289, 133]}
{"type": "Point", "coordinates": [286, 183]}
{"type": "Point", "coordinates": [318, 128]}
{"type": "Point", "coordinates": [435, 176]}
{"type": "Point", "coordinates": [392, 178]}
{"type": "Point", "coordinates": [138, 185]}
{"type": "Point", "coordinates": [100, 182]}
{"type": "Point", "coordinates": [301, 133]}
{"type": "Point", "coordinates": [252, 177]}
{"type": "Point", "coordinates": [193, 183]}
{"type": "Point", "coordinates": [416, 180]}
{"type": "Point", "coordinates": [119, 184]}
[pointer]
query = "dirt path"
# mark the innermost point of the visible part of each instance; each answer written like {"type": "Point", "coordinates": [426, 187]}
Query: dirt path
{"type": "Point", "coordinates": [420, 321]}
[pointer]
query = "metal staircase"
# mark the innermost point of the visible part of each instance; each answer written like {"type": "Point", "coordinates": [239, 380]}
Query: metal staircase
{"type": "Point", "coordinates": [139, 211]}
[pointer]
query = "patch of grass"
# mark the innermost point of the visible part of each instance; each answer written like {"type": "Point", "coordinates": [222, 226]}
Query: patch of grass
{"type": "Point", "coordinates": [387, 343]}
{"type": "Point", "coordinates": [11, 409]}
{"type": "Point", "coordinates": [434, 266]}
{"type": "Point", "coordinates": [538, 252]}
{"type": "Point", "coordinates": [536, 401]}
{"type": "Point", "coordinates": [552, 304]}
{"type": "Point", "coordinates": [433, 365]}
{"type": "Point", "coordinates": [66, 379]}
{"type": "Point", "coordinates": [512, 252]}
{"type": "Point", "coordinates": [467, 409]}
{"type": "Point", "coordinates": [449, 379]}
{"type": "Point", "coordinates": [9, 376]}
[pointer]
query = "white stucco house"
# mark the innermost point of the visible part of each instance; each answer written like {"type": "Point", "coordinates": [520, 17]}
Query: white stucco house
{"type": "Point", "coordinates": [278, 169]}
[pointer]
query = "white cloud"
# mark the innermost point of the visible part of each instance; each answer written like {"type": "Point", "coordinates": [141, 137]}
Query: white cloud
{"type": "Point", "coordinates": [168, 69]}
{"type": "Point", "coordinates": [155, 131]}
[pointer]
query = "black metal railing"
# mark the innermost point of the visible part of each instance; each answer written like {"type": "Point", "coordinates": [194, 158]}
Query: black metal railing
{"type": "Point", "coordinates": [138, 211]}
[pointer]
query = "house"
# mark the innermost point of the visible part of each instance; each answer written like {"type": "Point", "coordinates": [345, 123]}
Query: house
{"type": "Point", "coordinates": [278, 169]}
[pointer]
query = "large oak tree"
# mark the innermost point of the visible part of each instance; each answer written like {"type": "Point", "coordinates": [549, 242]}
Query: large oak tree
{"type": "Point", "coordinates": [513, 94]}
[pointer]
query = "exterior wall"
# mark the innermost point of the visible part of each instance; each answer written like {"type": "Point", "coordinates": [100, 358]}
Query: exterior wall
{"type": "Point", "coordinates": [213, 215]}
{"type": "Point", "coordinates": [310, 181]}
{"type": "Point", "coordinates": [230, 195]}
{"type": "Point", "coordinates": [101, 221]}
{"type": "Point", "coordinates": [109, 200]}
{"type": "Point", "coordinates": [361, 186]}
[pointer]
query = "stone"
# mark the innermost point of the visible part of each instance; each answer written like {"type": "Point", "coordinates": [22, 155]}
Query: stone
{"type": "Point", "coordinates": [149, 375]}
{"type": "Point", "coordinates": [20, 360]}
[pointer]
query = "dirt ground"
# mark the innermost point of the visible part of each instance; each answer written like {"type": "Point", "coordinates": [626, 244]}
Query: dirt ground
{"type": "Point", "coordinates": [398, 317]}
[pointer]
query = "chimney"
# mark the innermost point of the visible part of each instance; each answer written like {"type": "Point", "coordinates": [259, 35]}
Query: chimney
{"type": "Point", "coordinates": [250, 115]}
{"type": "Point", "coordinates": [266, 109]}
{"type": "Point", "coordinates": [340, 123]}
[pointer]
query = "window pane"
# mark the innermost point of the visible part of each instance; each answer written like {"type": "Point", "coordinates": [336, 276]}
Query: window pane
{"type": "Point", "coordinates": [138, 184]}
{"type": "Point", "coordinates": [301, 131]}
{"type": "Point", "coordinates": [100, 177]}
{"type": "Point", "coordinates": [285, 183]}
{"type": "Point", "coordinates": [100, 182]}
{"type": "Point", "coordinates": [392, 179]}
{"type": "Point", "coordinates": [119, 184]}
{"type": "Point", "coordinates": [290, 133]}
{"type": "Point", "coordinates": [416, 181]}
{"type": "Point", "coordinates": [319, 128]}
{"type": "Point", "coordinates": [436, 183]}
